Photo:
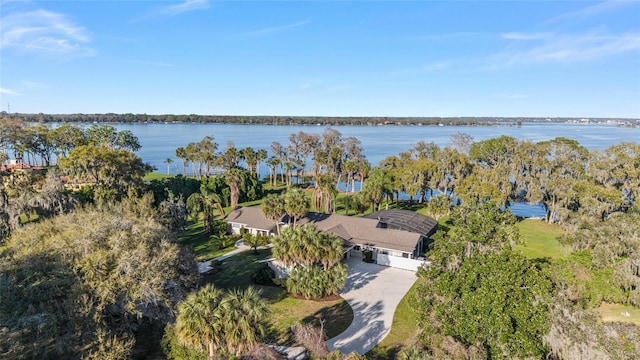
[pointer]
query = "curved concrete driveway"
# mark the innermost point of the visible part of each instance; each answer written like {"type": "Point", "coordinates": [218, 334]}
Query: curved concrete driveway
{"type": "Point", "coordinates": [373, 291]}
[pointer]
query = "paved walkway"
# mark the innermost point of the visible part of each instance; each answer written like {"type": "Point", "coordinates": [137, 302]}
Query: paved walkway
{"type": "Point", "coordinates": [373, 291]}
{"type": "Point", "coordinates": [204, 266]}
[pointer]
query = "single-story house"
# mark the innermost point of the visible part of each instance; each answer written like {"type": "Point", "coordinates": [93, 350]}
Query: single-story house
{"type": "Point", "coordinates": [392, 235]}
{"type": "Point", "coordinates": [16, 166]}
{"type": "Point", "coordinates": [252, 220]}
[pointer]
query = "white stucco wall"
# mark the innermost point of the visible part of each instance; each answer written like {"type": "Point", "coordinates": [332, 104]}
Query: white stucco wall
{"type": "Point", "coordinates": [399, 262]}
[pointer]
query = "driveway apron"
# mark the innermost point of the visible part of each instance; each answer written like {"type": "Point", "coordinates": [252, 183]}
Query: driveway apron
{"type": "Point", "coordinates": [373, 292]}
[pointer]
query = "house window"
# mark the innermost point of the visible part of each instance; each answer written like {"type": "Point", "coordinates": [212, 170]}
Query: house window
{"type": "Point", "coordinates": [405, 255]}
{"type": "Point", "coordinates": [236, 225]}
{"type": "Point", "coordinates": [357, 248]}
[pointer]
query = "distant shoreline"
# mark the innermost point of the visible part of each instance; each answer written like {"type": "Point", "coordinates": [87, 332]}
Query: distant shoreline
{"type": "Point", "coordinates": [310, 120]}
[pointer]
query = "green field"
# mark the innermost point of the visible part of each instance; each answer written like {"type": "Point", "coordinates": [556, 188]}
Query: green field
{"type": "Point", "coordinates": [156, 175]}
{"type": "Point", "coordinates": [201, 243]}
{"type": "Point", "coordinates": [540, 240]}
{"type": "Point", "coordinates": [619, 313]}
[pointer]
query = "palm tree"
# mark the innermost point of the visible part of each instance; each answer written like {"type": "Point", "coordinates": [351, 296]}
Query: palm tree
{"type": "Point", "coordinates": [377, 187]}
{"type": "Point", "coordinates": [273, 209]}
{"type": "Point", "coordinates": [364, 167]}
{"type": "Point", "coordinates": [207, 203]}
{"type": "Point", "coordinates": [324, 193]}
{"type": "Point", "coordinates": [349, 203]}
{"type": "Point", "coordinates": [260, 156]}
{"type": "Point", "coordinates": [168, 161]}
{"type": "Point", "coordinates": [181, 153]}
{"type": "Point", "coordinates": [200, 324]}
{"type": "Point", "coordinates": [235, 179]}
{"type": "Point", "coordinates": [273, 163]}
{"type": "Point", "coordinates": [296, 204]}
{"type": "Point", "coordinates": [250, 157]}
{"type": "Point", "coordinates": [244, 314]}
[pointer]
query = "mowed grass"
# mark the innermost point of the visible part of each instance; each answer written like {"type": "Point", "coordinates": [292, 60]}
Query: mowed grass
{"type": "Point", "coordinates": [235, 273]}
{"type": "Point", "coordinates": [336, 315]}
{"type": "Point", "coordinates": [201, 243]}
{"type": "Point", "coordinates": [404, 329]}
{"type": "Point", "coordinates": [619, 313]}
{"type": "Point", "coordinates": [156, 175]}
{"type": "Point", "coordinates": [540, 240]}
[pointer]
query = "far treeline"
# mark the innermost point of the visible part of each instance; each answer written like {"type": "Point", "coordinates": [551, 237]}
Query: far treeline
{"type": "Point", "coordinates": [303, 120]}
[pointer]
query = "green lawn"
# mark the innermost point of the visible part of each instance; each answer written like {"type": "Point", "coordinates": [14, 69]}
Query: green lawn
{"type": "Point", "coordinates": [404, 329]}
{"type": "Point", "coordinates": [336, 314]}
{"type": "Point", "coordinates": [619, 313]}
{"type": "Point", "coordinates": [235, 272]}
{"type": "Point", "coordinates": [201, 243]}
{"type": "Point", "coordinates": [156, 175]}
{"type": "Point", "coordinates": [540, 240]}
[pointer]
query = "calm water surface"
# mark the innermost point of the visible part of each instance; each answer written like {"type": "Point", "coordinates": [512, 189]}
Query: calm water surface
{"type": "Point", "coordinates": [159, 141]}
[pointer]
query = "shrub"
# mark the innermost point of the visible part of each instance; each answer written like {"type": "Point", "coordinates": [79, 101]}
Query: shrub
{"type": "Point", "coordinates": [264, 275]}
{"type": "Point", "coordinates": [314, 283]}
{"type": "Point", "coordinates": [219, 227]}
{"type": "Point", "coordinates": [367, 255]}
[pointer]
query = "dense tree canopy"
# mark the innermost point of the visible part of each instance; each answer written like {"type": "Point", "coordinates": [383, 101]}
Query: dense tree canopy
{"type": "Point", "coordinates": [480, 294]}
{"type": "Point", "coordinates": [82, 284]}
{"type": "Point", "coordinates": [112, 170]}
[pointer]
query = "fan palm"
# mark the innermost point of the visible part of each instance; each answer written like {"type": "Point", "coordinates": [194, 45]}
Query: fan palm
{"type": "Point", "coordinates": [244, 313]}
{"type": "Point", "coordinates": [207, 203]}
{"type": "Point", "coordinates": [296, 204]}
{"type": "Point", "coordinates": [200, 324]}
{"type": "Point", "coordinates": [235, 180]}
{"type": "Point", "coordinates": [273, 209]}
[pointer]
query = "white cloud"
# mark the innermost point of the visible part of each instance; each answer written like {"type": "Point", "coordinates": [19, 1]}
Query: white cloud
{"type": "Point", "coordinates": [186, 6]}
{"type": "Point", "coordinates": [174, 10]}
{"type": "Point", "coordinates": [571, 48]}
{"type": "Point", "coordinates": [589, 11]}
{"type": "Point", "coordinates": [525, 36]}
{"type": "Point", "coordinates": [33, 85]}
{"type": "Point", "coordinates": [8, 92]}
{"type": "Point", "coordinates": [449, 36]}
{"type": "Point", "coordinates": [279, 28]}
{"type": "Point", "coordinates": [44, 32]}
{"type": "Point", "coordinates": [424, 69]}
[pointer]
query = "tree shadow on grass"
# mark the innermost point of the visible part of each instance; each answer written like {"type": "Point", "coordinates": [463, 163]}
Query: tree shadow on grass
{"type": "Point", "coordinates": [336, 318]}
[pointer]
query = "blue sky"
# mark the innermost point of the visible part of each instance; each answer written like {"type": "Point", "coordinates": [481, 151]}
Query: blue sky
{"type": "Point", "coordinates": [325, 58]}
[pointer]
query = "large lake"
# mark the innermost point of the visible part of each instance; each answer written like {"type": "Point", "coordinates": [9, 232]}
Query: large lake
{"type": "Point", "coordinates": [159, 141]}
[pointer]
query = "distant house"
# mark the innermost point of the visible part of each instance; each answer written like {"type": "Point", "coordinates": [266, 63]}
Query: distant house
{"type": "Point", "coordinates": [76, 183]}
{"type": "Point", "coordinates": [396, 237]}
{"type": "Point", "coordinates": [18, 166]}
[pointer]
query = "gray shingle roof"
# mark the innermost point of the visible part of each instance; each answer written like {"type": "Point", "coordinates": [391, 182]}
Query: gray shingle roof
{"type": "Point", "coordinates": [405, 220]}
{"type": "Point", "coordinates": [361, 230]}
{"type": "Point", "coordinates": [251, 217]}
{"type": "Point", "coordinates": [357, 230]}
